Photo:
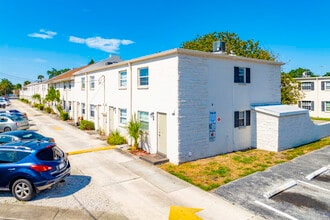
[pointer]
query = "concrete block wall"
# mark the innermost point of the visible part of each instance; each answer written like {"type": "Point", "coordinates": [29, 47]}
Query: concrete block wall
{"type": "Point", "coordinates": [193, 108]}
{"type": "Point", "coordinates": [277, 132]}
{"type": "Point", "coordinates": [267, 132]}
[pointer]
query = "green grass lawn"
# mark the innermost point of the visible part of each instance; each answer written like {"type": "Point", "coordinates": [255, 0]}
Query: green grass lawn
{"type": "Point", "coordinates": [210, 173]}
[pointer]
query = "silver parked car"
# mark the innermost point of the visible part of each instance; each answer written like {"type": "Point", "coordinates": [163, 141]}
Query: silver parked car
{"type": "Point", "coordinates": [8, 124]}
{"type": "Point", "coordinates": [23, 123]}
{"type": "Point", "coordinates": [5, 100]}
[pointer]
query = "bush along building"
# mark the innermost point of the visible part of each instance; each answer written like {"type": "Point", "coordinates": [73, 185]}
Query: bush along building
{"type": "Point", "coordinates": [191, 104]}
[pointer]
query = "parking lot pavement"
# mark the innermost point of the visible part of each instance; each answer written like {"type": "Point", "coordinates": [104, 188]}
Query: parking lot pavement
{"type": "Point", "coordinates": [299, 189]}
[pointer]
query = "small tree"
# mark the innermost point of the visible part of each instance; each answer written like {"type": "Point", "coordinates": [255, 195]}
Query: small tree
{"type": "Point", "coordinates": [134, 130]}
{"type": "Point", "coordinates": [53, 95]}
{"type": "Point", "coordinates": [37, 97]}
{"type": "Point", "coordinates": [290, 90]}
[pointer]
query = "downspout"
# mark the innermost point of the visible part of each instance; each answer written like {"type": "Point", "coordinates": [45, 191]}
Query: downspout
{"type": "Point", "coordinates": [130, 93]}
{"type": "Point", "coordinates": [131, 89]}
{"type": "Point", "coordinates": [86, 91]}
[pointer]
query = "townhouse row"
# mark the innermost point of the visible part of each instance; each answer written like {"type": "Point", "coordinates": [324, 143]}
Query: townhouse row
{"type": "Point", "coordinates": [192, 104]}
{"type": "Point", "coordinates": [316, 96]}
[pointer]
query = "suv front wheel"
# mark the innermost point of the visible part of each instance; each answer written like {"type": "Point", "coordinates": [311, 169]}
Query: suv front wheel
{"type": "Point", "coordinates": [23, 190]}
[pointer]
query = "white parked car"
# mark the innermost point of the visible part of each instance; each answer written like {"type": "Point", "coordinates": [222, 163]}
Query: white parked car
{"type": "Point", "coordinates": [5, 101]}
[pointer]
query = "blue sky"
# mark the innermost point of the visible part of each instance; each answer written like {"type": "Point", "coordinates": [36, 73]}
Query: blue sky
{"type": "Point", "coordinates": [38, 35]}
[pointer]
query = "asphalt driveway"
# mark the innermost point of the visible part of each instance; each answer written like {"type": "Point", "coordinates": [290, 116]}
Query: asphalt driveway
{"type": "Point", "coordinates": [286, 191]}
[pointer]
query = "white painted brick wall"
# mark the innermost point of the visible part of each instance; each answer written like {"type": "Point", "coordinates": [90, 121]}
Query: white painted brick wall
{"type": "Point", "coordinates": [277, 133]}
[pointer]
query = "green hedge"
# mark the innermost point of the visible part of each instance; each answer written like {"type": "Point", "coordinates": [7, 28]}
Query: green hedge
{"type": "Point", "coordinates": [64, 116]}
{"type": "Point", "coordinates": [116, 139]}
{"type": "Point", "coordinates": [86, 125]}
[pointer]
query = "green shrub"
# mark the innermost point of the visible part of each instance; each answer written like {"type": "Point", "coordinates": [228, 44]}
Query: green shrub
{"type": "Point", "coordinates": [64, 116]}
{"type": "Point", "coordinates": [59, 108]}
{"type": "Point", "coordinates": [41, 107]}
{"type": "Point", "coordinates": [48, 110]}
{"type": "Point", "coordinates": [24, 100]}
{"type": "Point", "coordinates": [86, 125]}
{"type": "Point", "coordinates": [116, 139]}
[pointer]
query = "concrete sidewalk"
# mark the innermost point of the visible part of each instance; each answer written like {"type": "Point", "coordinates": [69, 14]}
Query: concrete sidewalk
{"type": "Point", "coordinates": [111, 184]}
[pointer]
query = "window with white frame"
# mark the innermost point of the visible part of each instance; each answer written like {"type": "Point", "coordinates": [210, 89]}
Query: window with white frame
{"type": "Point", "coordinates": [92, 111]}
{"type": "Point", "coordinates": [326, 106]}
{"type": "Point", "coordinates": [144, 120]}
{"type": "Point", "coordinates": [307, 105]}
{"type": "Point", "coordinates": [325, 85]}
{"type": "Point", "coordinates": [123, 79]}
{"type": "Point", "coordinates": [143, 80]}
{"type": "Point", "coordinates": [242, 118]}
{"type": "Point", "coordinates": [83, 82]}
{"type": "Point", "coordinates": [242, 75]}
{"type": "Point", "coordinates": [64, 104]}
{"type": "Point", "coordinates": [83, 108]}
{"type": "Point", "coordinates": [123, 116]}
{"type": "Point", "coordinates": [307, 86]}
{"type": "Point", "coordinates": [69, 85]}
{"type": "Point", "coordinates": [64, 85]}
{"type": "Point", "coordinates": [70, 105]}
{"type": "Point", "coordinates": [92, 82]}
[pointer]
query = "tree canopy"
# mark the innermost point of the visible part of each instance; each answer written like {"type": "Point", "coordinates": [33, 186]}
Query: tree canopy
{"type": "Point", "coordinates": [327, 74]}
{"type": "Point", "coordinates": [53, 95]}
{"type": "Point", "coordinates": [299, 72]}
{"type": "Point", "coordinates": [6, 87]}
{"type": "Point", "coordinates": [18, 86]}
{"type": "Point", "coordinates": [40, 78]}
{"type": "Point", "coordinates": [234, 44]}
{"type": "Point", "coordinates": [54, 72]}
{"type": "Point", "coordinates": [290, 90]}
{"type": "Point", "coordinates": [91, 62]}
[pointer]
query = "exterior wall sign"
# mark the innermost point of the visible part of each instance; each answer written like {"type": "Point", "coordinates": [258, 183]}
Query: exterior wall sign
{"type": "Point", "coordinates": [212, 126]}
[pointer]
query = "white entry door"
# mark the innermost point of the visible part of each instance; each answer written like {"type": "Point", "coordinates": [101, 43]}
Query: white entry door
{"type": "Point", "coordinates": [162, 133]}
{"type": "Point", "coordinates": [111, 119]}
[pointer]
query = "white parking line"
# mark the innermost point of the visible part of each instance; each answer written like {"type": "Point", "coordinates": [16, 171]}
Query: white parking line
{"type": "Point", "coordinates": [314, 186]}
{"type": "Point", "coordinates": [275, 210]}
{"type": "Point", "coordinates": [279, 189]}
{"type": "Point", "coordinates": [317, 173]}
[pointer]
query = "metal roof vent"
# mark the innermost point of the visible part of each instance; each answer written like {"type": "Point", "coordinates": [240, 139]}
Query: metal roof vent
{"type": "Point", "coordinates": [219, 47]}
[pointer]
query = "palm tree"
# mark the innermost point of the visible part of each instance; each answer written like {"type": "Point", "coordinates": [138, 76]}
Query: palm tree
{"type": "Point", "coordinates": [40, 78]}
{"type": "Point", "coordinates": [134, 130]}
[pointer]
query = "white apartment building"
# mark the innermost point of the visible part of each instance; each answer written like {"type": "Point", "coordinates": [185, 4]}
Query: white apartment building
{"type": "Point", "coordinates": [316, 96]}
{"type": "Point", "coordinates": [192, 104]}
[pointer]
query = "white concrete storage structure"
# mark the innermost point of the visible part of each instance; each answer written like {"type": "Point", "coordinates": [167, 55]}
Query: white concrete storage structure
{"type": "Point", "coordinates": [280, 127]}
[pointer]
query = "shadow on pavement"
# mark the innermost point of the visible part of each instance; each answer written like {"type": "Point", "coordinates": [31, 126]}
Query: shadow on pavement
{"type": "Point", "coordinates": [72, 184]}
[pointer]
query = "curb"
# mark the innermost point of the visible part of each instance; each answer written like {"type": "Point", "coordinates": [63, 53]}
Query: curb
{"type": "Point", "coordinates": [91, 150]}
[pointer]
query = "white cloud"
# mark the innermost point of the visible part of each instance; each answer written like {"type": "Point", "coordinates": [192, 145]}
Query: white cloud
{"type": "Point", "coordinates": [40, 60]}
{"type": "Point", "coordinates": [107, 45]}
{"type": "Point", "coordinates": [44, 34]}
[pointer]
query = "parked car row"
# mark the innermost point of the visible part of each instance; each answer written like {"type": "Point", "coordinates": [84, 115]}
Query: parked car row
{"type": "Point", "coordinates": [11, 120]}
{"type": "Point", "coordinates": [29, 161]}
{"type": "Point", "coordinates": [4, 102]}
